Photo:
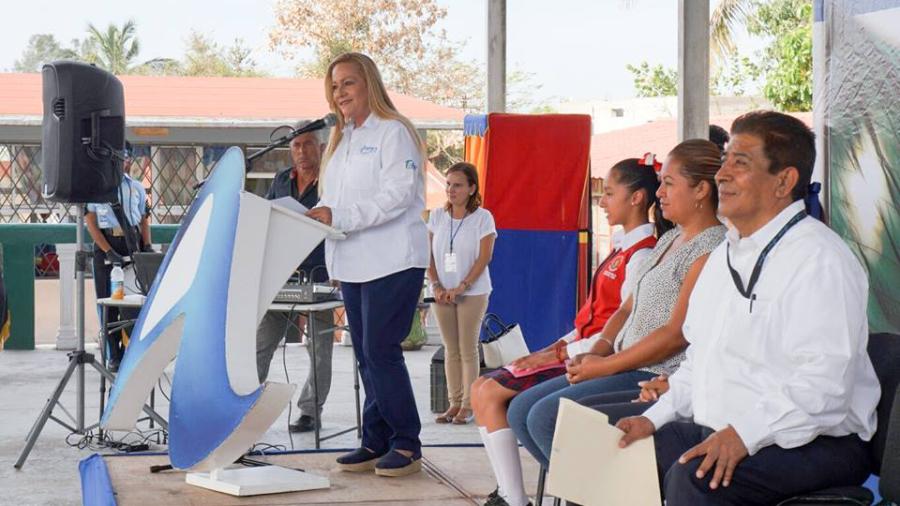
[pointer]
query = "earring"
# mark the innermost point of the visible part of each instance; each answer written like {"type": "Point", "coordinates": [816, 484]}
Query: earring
{"type": "Point", "coordinates": [698, 205]}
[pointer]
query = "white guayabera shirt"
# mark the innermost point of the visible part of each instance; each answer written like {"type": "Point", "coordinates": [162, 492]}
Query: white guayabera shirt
{"type": "Point", "coordinates": [793, 367]}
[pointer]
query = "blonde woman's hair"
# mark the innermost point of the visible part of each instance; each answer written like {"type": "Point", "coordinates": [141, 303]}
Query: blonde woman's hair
{"type": "Point", "coordinates": [379, 102]}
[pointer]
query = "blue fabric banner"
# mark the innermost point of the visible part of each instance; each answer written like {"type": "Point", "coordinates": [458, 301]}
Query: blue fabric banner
{"type": "Point", "coordinates": [534, 275]}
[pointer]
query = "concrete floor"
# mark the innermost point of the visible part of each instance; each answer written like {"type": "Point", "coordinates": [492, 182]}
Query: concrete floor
{"type": "Point", "coordinates": [50, 475]}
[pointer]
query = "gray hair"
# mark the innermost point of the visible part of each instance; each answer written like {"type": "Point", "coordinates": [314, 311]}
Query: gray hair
{"type": "Point", "coordinates": [321, 135]}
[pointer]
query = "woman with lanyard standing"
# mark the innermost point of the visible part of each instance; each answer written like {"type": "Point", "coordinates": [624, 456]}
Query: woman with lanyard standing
{"type": "Point", "coordinates": [462, 242]}
{"type": "Point", "coordinates": [374, 192]}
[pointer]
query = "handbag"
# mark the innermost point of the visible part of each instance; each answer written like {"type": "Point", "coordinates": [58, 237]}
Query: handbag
{"type": "Point", "coordinates": [504, 343]}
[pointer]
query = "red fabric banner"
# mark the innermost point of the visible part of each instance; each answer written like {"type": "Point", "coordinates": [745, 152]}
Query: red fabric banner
{"type": "Point", "coordinates": [537, 170]}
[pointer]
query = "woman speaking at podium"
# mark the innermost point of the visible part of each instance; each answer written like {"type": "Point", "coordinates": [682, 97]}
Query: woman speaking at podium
{"type": "Point", "coordinates": [374, 191]}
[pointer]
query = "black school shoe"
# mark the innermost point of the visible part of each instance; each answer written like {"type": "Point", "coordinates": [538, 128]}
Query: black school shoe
{"type": "Point", "coordinates": [359, 460]}
{"type": "Point", "coordinates": [396, 464]}
{"type": "Point", "coordinates": [305, 423]}
{"type": "Point", "coordinates": [498, 501]}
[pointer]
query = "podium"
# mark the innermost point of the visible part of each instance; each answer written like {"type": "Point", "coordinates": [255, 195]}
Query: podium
{"type": "Point", "coordinates": [232, 254]}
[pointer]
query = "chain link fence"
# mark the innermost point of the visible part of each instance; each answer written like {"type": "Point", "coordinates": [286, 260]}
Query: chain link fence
{"type": "Point", "coordinates": [169, 174]}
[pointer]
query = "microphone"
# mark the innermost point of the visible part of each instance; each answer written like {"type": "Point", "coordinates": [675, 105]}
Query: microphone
{"type": "Point", "coordinates": [328, 121]}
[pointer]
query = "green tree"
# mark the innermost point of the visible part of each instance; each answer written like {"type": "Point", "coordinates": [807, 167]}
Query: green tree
{"type": "Point", "coordinates": [204, 57]}
{"type": "Point", "coordinates": [655, 81]}
{"type": "Point", "coordinates": [724, 21]}
{"type": "Point", "coordinates": [784, 64]}
{"type": "Point", "coordinates": [114, 49]}
{"type": "Point", "coordinates": [414, 56]}
{"type": "Point", "coordinates": [787, 60]}
{"type": "Point", "coordinates": [43, 48]}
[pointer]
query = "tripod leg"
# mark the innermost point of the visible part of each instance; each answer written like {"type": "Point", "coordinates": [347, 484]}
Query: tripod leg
{"type": "Point", "coordinates": [147, 409]}
{"type": "Point", "coordinates": [38, 426]}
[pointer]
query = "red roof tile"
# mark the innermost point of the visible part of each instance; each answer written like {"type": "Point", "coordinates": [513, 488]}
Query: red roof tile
{"type": "Point", "coordinates": [656, 137]}
{"type": "Point", "coordinates": [216, 98]}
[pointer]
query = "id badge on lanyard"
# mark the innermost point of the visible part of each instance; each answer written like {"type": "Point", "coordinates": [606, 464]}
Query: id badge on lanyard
{"type": "Point", "coordinates": [450, 262]}
{"type": "Point", "coordinates": [450, 258]}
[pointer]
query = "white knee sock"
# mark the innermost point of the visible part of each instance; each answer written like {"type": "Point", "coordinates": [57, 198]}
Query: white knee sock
{"type": "Point", "coordinates": [504, 454]}
{"type": "Point", "coordinates": [487, 449]}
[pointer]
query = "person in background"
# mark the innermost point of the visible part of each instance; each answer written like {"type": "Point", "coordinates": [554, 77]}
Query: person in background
{"type": "Point", "coordinates": [110, 245]}
{"type": "Point", "coordinates": [629, 194]}
{"type": "Point", "coordinates": [374, 192]}
{"type": "Point", "coordinates": [718, 136]}
{"type": "Point", "coordinates": [462, 241]}
{"type": "Point", "coordinates": [777, 394]}
{"type": "Point", "coordinates": [300, 182]}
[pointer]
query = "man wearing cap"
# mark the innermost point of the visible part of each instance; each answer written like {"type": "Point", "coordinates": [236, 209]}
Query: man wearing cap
{"type": "Point", "coordinates": [301, 183]}
{"type": "Point", "coordinates": [110, 243]}
{"type": "Point", "coordinates": [777, 394]}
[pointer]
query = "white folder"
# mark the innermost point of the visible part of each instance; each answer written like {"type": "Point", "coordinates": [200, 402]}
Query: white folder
{"type": "Point", "coordinates": [588, 467]}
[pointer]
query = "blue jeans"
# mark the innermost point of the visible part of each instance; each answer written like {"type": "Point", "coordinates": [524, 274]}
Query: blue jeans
{"type": "Point", "coordinates": [380, 314]}
{"type": "Point", "coordinates": [532, 413]}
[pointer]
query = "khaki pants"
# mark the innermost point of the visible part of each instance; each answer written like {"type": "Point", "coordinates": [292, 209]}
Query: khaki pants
{"type": "Point", "coordinates": [460, 324]}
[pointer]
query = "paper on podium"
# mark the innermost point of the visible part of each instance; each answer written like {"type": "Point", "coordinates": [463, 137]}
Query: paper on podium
{"type": "Point", "coordinates": [298, 210]}
{"type": "Point", "coordinates": [292, 204]}
{"type": "Point", "coordinates": [588, 467]}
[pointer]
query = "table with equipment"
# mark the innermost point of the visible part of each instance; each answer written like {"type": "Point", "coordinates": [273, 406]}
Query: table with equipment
{"type": "Point", "coordinates": [291, 311]}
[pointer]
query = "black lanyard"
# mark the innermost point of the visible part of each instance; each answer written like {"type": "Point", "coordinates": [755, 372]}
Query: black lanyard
{"type": "Point", "coordinates": [757, 269]}
{"type": "Point", "coordinates": [452, 233]}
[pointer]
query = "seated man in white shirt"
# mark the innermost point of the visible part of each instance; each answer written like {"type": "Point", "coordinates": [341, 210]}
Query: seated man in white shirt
{"type": "Point", "coordinates": [777, 395]}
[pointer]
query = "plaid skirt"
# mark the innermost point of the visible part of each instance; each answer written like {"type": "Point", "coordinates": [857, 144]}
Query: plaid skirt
{"type": "Point", "coordinates": [507, 380]}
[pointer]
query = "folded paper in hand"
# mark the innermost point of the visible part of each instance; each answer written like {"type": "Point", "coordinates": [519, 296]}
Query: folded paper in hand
{"type": "Point", "coordinates": [521, 373]}
{"type": "Point", "coordinates": [588, 467]}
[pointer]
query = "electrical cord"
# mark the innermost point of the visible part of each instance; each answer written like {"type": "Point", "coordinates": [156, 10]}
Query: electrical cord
{"type": "Point", "coordinates": [287, 378]}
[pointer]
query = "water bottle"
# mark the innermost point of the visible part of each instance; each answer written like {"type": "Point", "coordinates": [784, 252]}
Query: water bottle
{"type": "Point", "coordinates": [117, 283]}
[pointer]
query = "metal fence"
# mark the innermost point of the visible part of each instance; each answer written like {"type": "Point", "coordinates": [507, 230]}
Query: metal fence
{"type": "Point", "coordinates": [168, 173]}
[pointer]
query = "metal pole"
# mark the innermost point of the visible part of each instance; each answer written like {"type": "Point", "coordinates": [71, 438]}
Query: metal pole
{"type": "Point", "coordinates": [79, 314]}
{"type": "Point", "coordinates": [693, 69]}
{"type": "Point", "coordinates": [496, 56]}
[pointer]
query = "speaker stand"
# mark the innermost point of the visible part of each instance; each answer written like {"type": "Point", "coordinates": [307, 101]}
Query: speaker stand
{"type": "Point", "coordinates": [77, 361]}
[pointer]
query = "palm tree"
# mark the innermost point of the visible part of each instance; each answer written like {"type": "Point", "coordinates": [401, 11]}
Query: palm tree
{"type": "Point", "coordinates": [114, 49]}
{"type": "Point", "coordinates": [724, 20]}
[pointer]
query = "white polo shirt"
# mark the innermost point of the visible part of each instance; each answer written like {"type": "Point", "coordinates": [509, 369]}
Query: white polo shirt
{"type": "Point", "coordinates": [793, 368]}
{"type": "Point", "coordinates": [375, 187]}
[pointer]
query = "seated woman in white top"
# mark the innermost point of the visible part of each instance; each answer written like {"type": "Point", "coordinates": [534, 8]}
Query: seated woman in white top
{"type": "Point", "coordinates": [462, 242]}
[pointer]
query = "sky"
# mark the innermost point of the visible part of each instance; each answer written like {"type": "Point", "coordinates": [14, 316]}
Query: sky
{"type": "Point", "coordinates": [574, 49]}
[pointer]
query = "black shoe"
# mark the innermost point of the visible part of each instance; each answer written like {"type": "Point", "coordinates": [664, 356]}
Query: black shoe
{"type": "Point", "coordinates": [359, 460]}
{"type": "Point", "coordinates": [494, 499]}
{"type": "Point", "coordinates": [305, 423]}
{"type": "Point", "coordinates": [396, 464]}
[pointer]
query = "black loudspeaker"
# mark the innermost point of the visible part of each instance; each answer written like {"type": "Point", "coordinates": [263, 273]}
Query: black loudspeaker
{"type": "Point", "coordinates": [83, 133]}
